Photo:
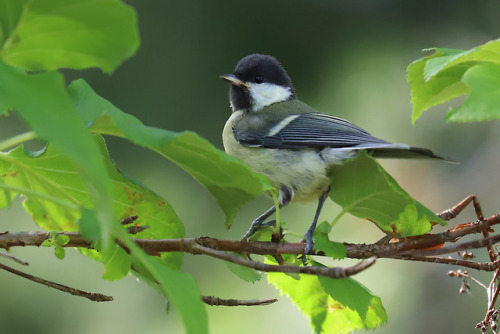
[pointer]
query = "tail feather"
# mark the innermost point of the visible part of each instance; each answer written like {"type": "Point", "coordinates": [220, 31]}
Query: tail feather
{"type": "Point", "coordinates": [402, 151]}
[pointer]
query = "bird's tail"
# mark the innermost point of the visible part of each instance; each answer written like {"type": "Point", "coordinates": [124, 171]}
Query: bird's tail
{"type": "Point", "coordinates": [402, 151]}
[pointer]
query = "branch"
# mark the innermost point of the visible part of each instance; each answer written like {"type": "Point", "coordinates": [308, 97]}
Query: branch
{"type": "Point", "coordinates": [488, 266]}
{"type": "Point", "coordinates": [96, 297]}
{"type": "Point", "coordinates": [334, 272]}
{"type": "Point", "coordinates": [14, 258]}
{"type": "Point", "coordinates": [216, 301]}
{"type": "Point", "coordinates": [412, 247]}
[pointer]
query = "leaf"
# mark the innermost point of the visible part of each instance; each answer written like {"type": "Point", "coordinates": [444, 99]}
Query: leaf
{"type": "Point", "coordinates": [47, 243]}
{"type": "Point", "coordinates": [357, 298]}
{"type": "Point", "coordinates": [51, 115]}
{"type": "Point", "coordinates": [489, 52]}
{"type": "Point", "coordinates": [10, 14]}
{"type": "Point", "coordinates": [117, 263]}
{"type": "Point", "coordinates": [61, 239]}
{"type": "Point", "coordinates": [230, 182]}
{"type": "Point", "coordinates": [89, 226]}
{"type": "Point", "coordinates": [364, 189]}
{"type": "Point", "coordinates": [178, 287]}
{"type": "Point", "coordinates": [483, 103]}
{"type": "Point", "coordinates": [443, 76]}
{"type": "Point", "coordinates": [332, 249]}
{"type": "Point", "coordinates": [439, 89]}
{"type": "Point", "coordinates": [78, 34]}
{"type": "Point", "coordinates": [59, 252]}
{"type": "Point", "coordinates": [332, 305]}
{"type": "Point", "coordinates": [55, 191]}
{"type": "Point", "coordinates": [245, 273]}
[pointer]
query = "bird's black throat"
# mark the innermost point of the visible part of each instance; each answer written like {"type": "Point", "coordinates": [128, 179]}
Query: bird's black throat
{"type": "Point", "coordinates": [240, 98]}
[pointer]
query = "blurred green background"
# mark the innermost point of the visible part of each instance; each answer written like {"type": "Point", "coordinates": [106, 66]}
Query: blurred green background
{"type": "Point", "coordinates": [347, 58]}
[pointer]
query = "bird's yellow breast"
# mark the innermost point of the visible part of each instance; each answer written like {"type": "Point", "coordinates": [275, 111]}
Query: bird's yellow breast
{"type": "Point", "coordinates": [303, 171]}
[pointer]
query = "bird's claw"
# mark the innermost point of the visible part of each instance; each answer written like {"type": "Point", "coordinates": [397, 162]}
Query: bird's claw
{"type": "Point", "coordinates": [258, 225]}
{"type": "Point", "coordinates": [309, 246]}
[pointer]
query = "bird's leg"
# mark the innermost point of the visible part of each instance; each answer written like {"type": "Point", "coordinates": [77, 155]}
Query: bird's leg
{"type": "Point", "coordinates": [258, 223]}
{"type": "Point", "coordinates": [285, 196]}
{"type": "Point", "coordinates": [309, 233]}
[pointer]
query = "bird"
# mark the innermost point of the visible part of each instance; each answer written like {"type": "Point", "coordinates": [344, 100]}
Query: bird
{"type": "Point", "coordinates": [295, 146]}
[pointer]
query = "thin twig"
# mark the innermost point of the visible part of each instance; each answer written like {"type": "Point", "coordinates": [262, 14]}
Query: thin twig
{"type": "Point", "coordinates": [96, 297]}
{"type": "Point", "coordinates": [453, 248]}
{"type": "Point", "coordinates": [333, 272]}
{"type": "Point", "coordinates": [216, 301]}
{"type": "Point", "coordinates": [14, 258]}
{"type": "Point", "coordinates": [493, 292]}
{"type": "Point", "coordinates": [457, 209]}
{"type": "Point", "coordinates": [488, 266]}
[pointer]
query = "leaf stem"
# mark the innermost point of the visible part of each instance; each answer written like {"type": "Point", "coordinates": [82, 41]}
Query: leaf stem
{"type": "Point", "coordinates": [337, 217]}
{"type": "Point", "coordinates": [16, 140]}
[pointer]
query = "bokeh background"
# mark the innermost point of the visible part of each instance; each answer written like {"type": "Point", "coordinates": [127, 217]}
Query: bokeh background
{"type": "Point", "coordinates": [347, 58]}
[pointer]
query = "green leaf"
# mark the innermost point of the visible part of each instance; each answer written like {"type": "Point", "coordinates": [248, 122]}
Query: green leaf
{"type": "Point", "coordinates": [230, 182]}
{"type": "Point", "coordinates": [61, 239]}
{"type": "Point", "coordinates": [117, 263]}
{"type": "Point", "coordinates": [356, 298]}
{"type": "Point", "coordinates": [10, 14]}
{"type": "Point", "coordinates": [52, 116]}
{"type": "Point", "coordinates": [443, 76]}
{"type": "Point", "coordinates": [179, 288]}
{"type": "Point", "coordinates": [364, 189]}
{"type": "Point", "coordinates": [489, 52]}
{"type": "Point", "coordinates": [47, 243]}
{"type": "Point", "coordinates": [53, 34]}
{"type": "Point", "coordinates": [483, 103]}
{"type": "Point", "coordinates": [439, 89]}
{"type": "Point", "coordinates": [59, 252]}
{"type": "Point", "coordinates": [332, 249]}
{"type": "Point", "coordinates": [55, 191]}
{"type": "Point", "coordinates": [245, 273]}
{"type": "Point", "coordinates": [89, 225]}
{"type": "Point", "coordinates": [332, 305]}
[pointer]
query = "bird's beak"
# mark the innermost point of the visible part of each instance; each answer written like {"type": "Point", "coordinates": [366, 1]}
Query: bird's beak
{"type": "Point", "coordinates": [233, 80]}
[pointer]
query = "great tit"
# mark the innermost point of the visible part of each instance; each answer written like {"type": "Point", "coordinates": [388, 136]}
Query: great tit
{"type": "Point", "coordinates": [291, 143]}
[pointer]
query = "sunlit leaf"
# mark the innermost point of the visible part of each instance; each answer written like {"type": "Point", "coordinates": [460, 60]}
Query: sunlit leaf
{"type": "Point", "coordinates": [439, 89]}
{"type": "Point", "coordinates": [55, 191]}
{"type": "Point", "coordinates": [332, 305]}
{"type": "Point", "coordinates": [53, 34]}
{"type": "Point", "coordinates": [364, 189]}
{"type": "Point", "coordinates": [322, 243]}
{"type": "Point", "coordinates": [179, 288]}
{"type": "Point", "coordinates": [50, 113]}
{"type": "Point", "coordinates": [449, 73]}
{"type": "Point", "coordinates": [483, 102]}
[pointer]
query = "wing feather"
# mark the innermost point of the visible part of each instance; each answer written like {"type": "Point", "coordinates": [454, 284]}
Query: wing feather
{"type": "Point", "coordinates": [313, 130]}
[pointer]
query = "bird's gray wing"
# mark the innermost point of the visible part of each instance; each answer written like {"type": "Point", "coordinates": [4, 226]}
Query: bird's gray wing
{"type": "Point", "coordinates": [313, 130]}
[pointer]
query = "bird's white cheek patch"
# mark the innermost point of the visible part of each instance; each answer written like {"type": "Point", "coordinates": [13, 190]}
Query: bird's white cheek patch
{"type": "Point", "coordinates": [266, 94]}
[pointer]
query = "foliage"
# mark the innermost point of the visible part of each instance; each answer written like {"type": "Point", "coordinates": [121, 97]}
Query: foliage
{"type": "Point", "coordinates": [332, 305]}
{"type": "Point", "coordinates": [450, 73]}
{"type": "Point", "coordinates": [364, 189]}
{"type": "Point", "coordinates": [73, 185]}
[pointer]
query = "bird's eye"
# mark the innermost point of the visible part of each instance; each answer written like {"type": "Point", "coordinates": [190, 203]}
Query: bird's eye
{"type": "Point", "coordinates": [259, 79]}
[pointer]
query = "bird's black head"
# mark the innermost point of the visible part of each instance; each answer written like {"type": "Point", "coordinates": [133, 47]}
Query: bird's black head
{"type": "Point", "coordinates": [258, 81]}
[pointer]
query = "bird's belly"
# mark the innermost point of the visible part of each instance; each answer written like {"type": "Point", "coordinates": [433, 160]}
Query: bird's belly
{"type": "Point", "coordinates": [303, 171]}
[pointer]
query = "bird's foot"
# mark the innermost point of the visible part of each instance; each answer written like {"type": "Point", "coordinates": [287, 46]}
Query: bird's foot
{"type": "Point", "coordinates": [258, 225]}
{"type": "Point", "coordinates": [309, 246]}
